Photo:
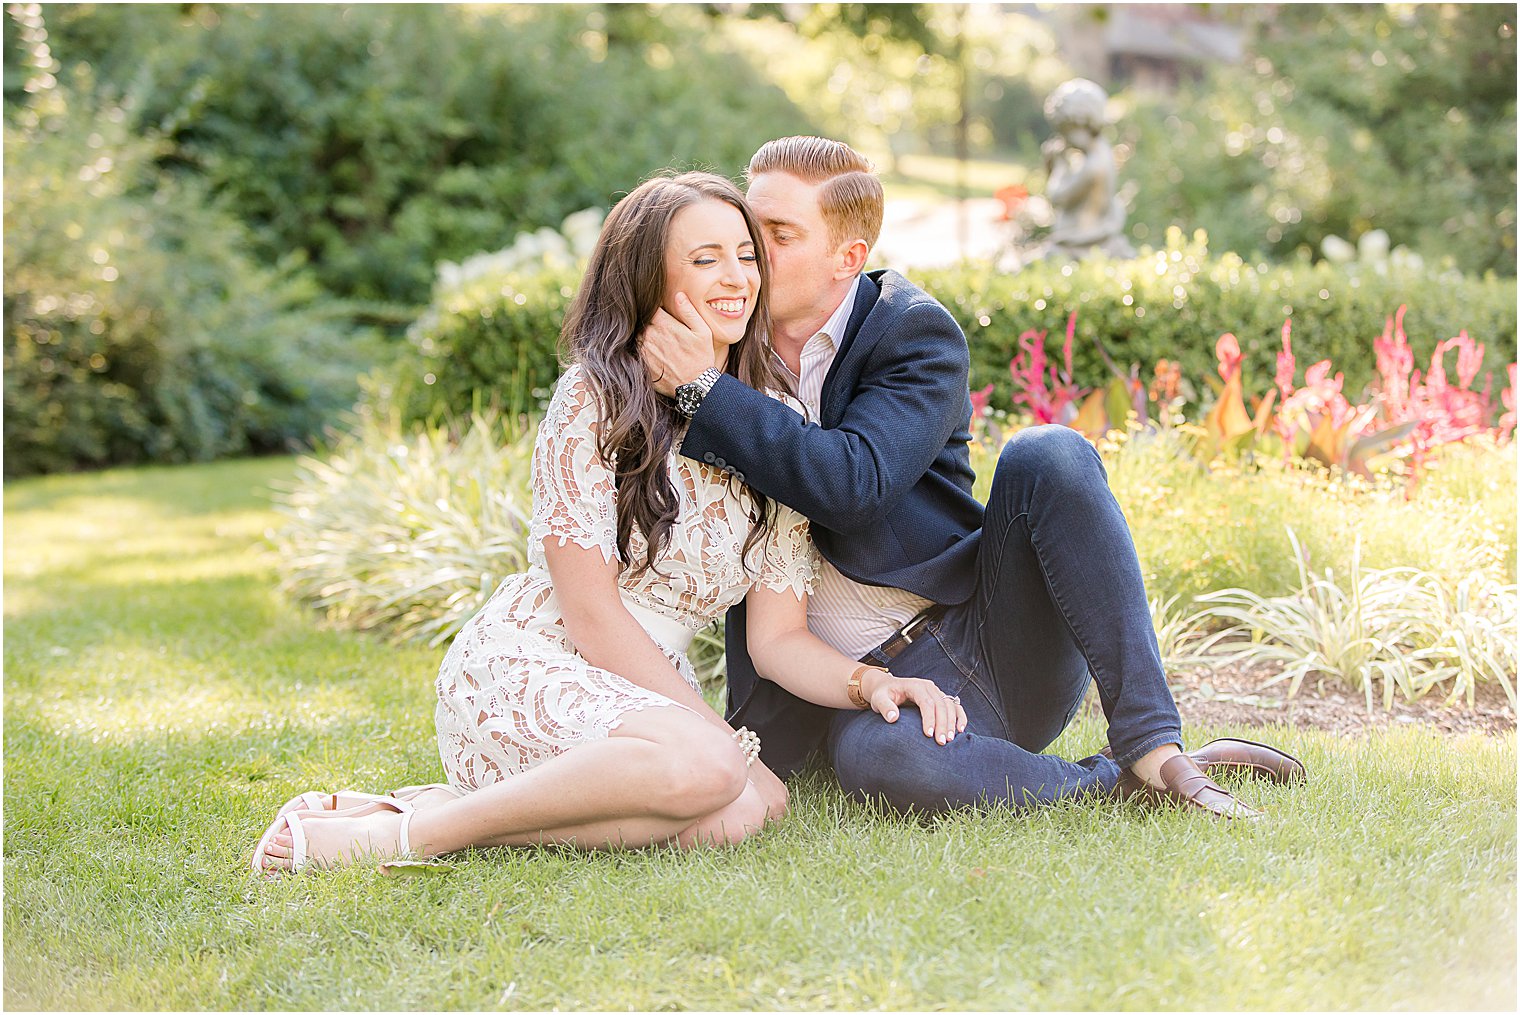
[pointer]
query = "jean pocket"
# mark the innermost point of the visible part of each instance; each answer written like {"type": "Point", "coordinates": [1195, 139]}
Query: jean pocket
{"type": "Point", "coordinates": [965, 673]}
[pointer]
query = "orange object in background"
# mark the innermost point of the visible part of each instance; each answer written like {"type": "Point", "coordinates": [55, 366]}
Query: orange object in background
{"type": "Point", "coordinates": [1013, 197]}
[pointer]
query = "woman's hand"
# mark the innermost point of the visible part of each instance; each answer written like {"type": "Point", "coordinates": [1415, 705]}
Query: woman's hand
{"type": "Point", "coordinates": [942, 714]}
{"type": "Point", "coordinates": [771, 789]}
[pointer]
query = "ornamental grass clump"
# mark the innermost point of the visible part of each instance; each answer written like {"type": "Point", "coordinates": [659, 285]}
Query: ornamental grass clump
{"type": "Point", "coordinates": [1467, 636]}
{"type": "Point", "coordinates": [405, 531]}
{"type": "Point", "coordinates": [1395, 628]}
{"type": "Point", "coordinates": [408, 533]}
{"type": "Point", "coordinates": [1178, 632]}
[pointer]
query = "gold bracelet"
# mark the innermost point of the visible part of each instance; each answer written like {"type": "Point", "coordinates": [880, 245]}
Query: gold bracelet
{"type": "Point", "coordinates": [853, 687]}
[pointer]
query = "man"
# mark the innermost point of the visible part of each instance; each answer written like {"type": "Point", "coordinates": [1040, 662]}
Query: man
{"type": "Point", "coordinates": [1014, 609]}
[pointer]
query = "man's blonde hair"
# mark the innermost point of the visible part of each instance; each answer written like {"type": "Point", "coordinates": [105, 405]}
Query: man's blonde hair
{"type": "Point", "coordinates": [850, 198]}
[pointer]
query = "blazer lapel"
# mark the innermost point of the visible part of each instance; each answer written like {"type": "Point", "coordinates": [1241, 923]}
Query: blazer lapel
{"type": "Point", "coordinates": [832, 401]}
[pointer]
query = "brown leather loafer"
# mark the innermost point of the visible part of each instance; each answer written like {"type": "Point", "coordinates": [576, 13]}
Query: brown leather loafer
{"type": "Point", "coordinates": [1246, 757]}
{"type": "Point", "coordinates": [1250, 758]}
{"type": "Point", "coordinates": [1187, 785]}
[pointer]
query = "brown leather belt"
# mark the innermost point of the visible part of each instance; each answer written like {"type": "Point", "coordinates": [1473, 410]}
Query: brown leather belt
{"type": "Point", "coordinates": [910, 632]}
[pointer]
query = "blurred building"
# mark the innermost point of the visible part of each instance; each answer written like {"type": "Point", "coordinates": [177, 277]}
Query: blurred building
{"type": "Point", "coordinates": [1145, 46]}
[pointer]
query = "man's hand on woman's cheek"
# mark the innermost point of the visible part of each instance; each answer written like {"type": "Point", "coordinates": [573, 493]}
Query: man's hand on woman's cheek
{"type": "Point", "coordinates": [676, 350]}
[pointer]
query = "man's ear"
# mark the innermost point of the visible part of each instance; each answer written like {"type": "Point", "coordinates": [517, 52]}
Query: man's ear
{"type": "Point", "coordinates": [852, 259]}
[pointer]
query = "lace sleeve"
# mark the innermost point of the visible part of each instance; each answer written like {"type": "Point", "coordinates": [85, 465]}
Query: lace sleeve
{"type": "Point", "coordinates": [574, 492]}
{"type": "Point", "coordinates": [791, 560]}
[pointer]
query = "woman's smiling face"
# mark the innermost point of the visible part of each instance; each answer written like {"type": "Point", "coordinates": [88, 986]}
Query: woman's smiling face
{"type": "Point", "coordinates": [710, 256]}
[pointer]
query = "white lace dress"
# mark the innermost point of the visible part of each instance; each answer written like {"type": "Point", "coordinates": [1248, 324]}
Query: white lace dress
{"type": "Point", "coordinates": [512, 691]}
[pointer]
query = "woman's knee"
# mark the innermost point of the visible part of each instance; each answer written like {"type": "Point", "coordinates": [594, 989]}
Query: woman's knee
{"type": "Point", "coordinates": [694, 769]}
{"type": "Point", "coordinates": [703, 773]}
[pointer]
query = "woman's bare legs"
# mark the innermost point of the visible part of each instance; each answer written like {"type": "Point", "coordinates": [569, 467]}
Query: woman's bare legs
{"type": "Point", "coordinates": [664, 774]}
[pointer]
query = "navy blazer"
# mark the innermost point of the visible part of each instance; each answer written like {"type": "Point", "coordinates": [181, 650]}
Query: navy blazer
{"type": "Point", "coordinates": [884, 477]}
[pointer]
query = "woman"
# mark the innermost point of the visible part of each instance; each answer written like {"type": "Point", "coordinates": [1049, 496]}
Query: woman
{"type": "Point", "coordinates": [568, 711]}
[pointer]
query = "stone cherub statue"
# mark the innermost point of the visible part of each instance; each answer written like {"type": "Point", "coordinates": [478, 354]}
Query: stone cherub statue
{"type": "Point", "coordinates": [1082, 175]}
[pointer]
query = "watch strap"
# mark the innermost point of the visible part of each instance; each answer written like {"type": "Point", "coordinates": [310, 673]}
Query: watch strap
{"type": "Point", "coordinates": [689, 396]}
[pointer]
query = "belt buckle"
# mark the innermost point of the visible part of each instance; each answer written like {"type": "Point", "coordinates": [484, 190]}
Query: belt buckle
{"type": "Point", "coordinates": [910, 629]}
{"type": "Point", "coordinates": [903, 637]}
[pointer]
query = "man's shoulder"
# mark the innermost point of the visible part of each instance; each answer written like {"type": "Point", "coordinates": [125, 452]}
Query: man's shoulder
{"type": "Point", "coordinates": [895, 291]}
{"type": "Point", "coordinates": [899, 300]}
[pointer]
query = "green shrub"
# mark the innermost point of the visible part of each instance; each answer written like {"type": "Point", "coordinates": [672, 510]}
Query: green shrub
{"type": "Point", "coordinates": [485, 345]}
{"type": "Point", "coordinates": [381, 139]}
{"type": "Point", "coordinates": [498, 345]}
{"type": "Point", "coordinates": [1198, 530]}
{"type": "Point", "coordinates": [1342, 118]}
{"type": "Point", "coordinates": [1176, 302]}
{"type": "Point", "coordinates": [137, 325]}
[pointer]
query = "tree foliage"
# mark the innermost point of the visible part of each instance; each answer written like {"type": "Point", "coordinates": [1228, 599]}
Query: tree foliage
{"type": "Point", "coordinates": [1343, 119]}
{"type": "Point", "coordinates": [379, 140]}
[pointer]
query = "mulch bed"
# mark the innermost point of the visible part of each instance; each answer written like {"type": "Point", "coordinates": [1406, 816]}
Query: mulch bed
{"type": "Point", "coordinates": [1237, 694]}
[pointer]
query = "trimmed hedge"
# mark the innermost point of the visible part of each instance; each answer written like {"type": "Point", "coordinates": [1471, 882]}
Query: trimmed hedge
{"type": "Point", "coordinates": [1176, 302]}
{"type": "Point", "coordinates": [485, 346]}
{"type": "Point", "coordinates": [498, 345]}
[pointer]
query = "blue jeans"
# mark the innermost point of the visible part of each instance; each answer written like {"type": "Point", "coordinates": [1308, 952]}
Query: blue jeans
{"type": "Point", "coordinates": [1059, 601]}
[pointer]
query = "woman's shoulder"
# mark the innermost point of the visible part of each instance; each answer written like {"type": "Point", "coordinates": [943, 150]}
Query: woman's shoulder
{"type": "Point", "coordinates": [575, 386]}
{"type": "Point", "coordinates": [574, 403]}
{"type": "Point", "coordinates": [572, 380]}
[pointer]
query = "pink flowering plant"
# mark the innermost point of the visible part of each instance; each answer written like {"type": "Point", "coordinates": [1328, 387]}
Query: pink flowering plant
{"type": "Point", "coordinates": [1437, 411]}
{"type": "Point", "coordinates": [1507, 396]}
{"type": "Point", "coordinates": [1049, 396]}
{"type": "Point", "coordinates": [1405, 415]}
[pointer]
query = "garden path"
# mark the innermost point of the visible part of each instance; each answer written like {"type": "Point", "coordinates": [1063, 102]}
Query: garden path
{"type": "Point", "coordinates": [920, 233]}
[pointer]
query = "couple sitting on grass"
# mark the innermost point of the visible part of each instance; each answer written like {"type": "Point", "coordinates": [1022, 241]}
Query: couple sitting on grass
{"type": "Point", "coordinates": [751, 426]}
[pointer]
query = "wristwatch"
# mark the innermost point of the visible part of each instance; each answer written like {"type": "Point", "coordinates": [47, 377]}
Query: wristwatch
{"type": "Point", "coordinates": [689, 395]}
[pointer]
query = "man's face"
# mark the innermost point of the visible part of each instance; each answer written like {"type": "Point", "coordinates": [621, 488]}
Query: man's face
{"type": "Point", "coordinates": [804, 259]}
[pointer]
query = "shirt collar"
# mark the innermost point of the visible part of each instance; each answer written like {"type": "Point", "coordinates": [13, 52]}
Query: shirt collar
{"type": "Point", "coordinates": [832, 330]}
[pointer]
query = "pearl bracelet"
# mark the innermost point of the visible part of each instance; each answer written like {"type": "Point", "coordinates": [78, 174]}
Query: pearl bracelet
{"type": "Point", "coordinates": [749, 743]}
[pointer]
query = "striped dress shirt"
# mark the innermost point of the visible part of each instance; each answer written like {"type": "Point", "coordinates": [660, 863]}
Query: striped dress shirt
{"type": "Point", "coordinates": [852, 617]}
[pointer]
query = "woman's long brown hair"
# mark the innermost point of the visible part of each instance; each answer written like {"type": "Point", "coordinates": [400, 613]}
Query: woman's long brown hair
{"type": "Point", "coordinates": [623, 287]}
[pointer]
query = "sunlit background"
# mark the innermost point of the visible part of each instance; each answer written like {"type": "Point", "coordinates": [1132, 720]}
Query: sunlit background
{"type": "Point", "coordinates": [218, 216]}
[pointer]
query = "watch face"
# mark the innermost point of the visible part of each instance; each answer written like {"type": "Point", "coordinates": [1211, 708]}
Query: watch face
{"type": "Point", "coordinates": [689, 395]}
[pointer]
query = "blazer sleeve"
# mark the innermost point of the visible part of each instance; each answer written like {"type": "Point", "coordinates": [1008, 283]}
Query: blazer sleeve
{"type": "Point", "coordinates": [910, 399]}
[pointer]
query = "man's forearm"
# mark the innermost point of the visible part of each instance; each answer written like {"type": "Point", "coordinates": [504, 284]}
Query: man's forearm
{"type": "Point", "coordinates": [841, 478]}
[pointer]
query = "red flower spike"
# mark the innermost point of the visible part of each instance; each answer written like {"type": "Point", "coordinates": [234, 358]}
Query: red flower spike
{"type": "Point", "coordinates": [1285, 363]}
{"type": "Point", "coordinates": [1227, 351]}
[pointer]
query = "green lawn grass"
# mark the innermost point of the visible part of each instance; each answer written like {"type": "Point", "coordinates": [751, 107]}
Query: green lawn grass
{"type": "Point", "coordinates": [161, 700]}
